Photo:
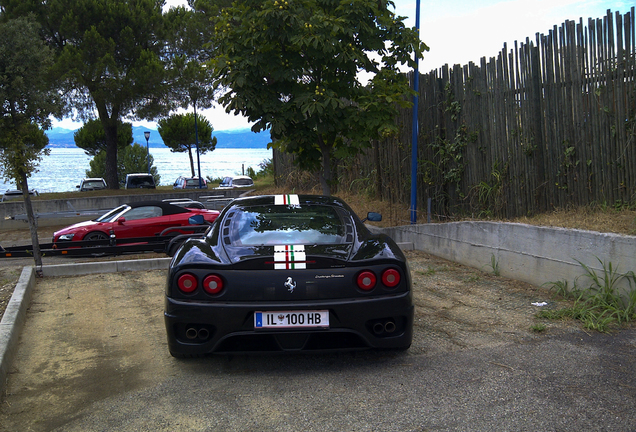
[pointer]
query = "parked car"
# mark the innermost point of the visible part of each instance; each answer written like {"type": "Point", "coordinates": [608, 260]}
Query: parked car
{"type": "Point", "coordinates": [287, 273]}
{"type": "Point", "coordinates": [140, 181]}
{"type": "Point", "coordinates": [90, 184]}
{"type": "Point", "coordinates": [140, 219]}
{"type": "Point", "coordinates": [189, 183]}
{"type": "Point", "coordinates": [12, 194]}
{"type": "Point", "coordinates": [236, 182]}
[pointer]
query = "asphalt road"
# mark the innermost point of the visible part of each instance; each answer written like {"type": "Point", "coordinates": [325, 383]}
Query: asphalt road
{"type": "Point", "coordinates": [93, 357]}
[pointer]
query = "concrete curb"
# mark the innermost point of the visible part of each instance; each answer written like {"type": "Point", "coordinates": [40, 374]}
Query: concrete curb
{"type": "Point", "coordinates": [15, 315]}
{"type": "Point", "coordinates": [13, 321]}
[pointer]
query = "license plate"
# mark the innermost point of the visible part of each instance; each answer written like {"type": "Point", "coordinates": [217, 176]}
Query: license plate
{"type": "Point", "coordinates": [291, 319]}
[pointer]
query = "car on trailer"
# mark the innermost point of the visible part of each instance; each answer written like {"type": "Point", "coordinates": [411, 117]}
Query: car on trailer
{"type": "Point", "coordinates": [138, 219]}
{"type": "Point", "coordinates": [287, 273]}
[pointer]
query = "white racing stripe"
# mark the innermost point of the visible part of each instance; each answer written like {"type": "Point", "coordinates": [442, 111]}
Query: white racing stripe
{"type": "Point", "coordinates": [286, 200]}
{"type": "Point", "coordinates": [289, 257]}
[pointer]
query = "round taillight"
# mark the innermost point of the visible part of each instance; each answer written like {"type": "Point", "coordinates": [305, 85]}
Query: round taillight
{"type": "Point", "coordinates": [212, 284]}
{"type": "Point", "coordinates": [187, 283]}
{"type": "Point", "coordinates": [366, 280]}
{"type": "Point", "coordinates": [390, 278]}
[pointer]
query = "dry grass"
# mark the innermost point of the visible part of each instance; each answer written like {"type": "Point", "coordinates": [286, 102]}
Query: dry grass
{"type": "Point", "coordinates": [621, 221]}
{"type": "Point", "coordinates": [590, 218]}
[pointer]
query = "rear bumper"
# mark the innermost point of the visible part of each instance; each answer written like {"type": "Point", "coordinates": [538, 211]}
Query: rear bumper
{"type": "Point", "coordinates": [196, 328]}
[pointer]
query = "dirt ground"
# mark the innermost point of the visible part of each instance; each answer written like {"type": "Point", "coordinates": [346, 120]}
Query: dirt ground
{"type": "Point", "coordinates": [11, 268]}
{"type": "Point", "coordinates": [114, 340]}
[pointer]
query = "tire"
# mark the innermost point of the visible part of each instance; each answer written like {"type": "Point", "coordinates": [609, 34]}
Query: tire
{"type": "Point", "coordinates": [96, 235]}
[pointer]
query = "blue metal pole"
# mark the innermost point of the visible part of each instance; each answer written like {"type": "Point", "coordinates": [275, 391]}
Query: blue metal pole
{"type": "Point", "coordinates": [415, 126]}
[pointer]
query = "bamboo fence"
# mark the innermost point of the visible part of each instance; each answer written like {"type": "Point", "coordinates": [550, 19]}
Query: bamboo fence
{"type": "Point", "coordinates": [549, 123]}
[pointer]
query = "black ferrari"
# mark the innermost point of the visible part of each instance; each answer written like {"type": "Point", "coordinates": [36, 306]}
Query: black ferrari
{"type": "Point", "coordinates": [287, 273]}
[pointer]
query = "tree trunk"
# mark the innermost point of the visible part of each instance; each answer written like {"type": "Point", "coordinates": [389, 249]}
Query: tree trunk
{"type": "Point", "coordinates": [325, 175]}
{"type": "Point", "coordinates": [33, 225]}
{"type": "Point", "coordinates": [109, 123]}
{"type": "Point", "coordinates": [191, 160]}
{"type": "Point", "coordinates": [110, 130]}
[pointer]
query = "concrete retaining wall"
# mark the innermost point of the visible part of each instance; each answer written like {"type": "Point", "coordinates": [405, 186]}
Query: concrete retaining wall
{"type": "Point", "coordinates": [523, 252]}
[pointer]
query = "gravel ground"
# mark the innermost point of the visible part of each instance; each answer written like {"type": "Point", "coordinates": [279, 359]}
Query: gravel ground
{"type": "Point", "coordinates": [93, 356]}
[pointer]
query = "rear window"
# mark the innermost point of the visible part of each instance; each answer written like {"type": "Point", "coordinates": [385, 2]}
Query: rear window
{"type": "Point", "coordinates": [194, 182]}
{"type": "Point", "coordinates": [243, 182]}
{"type": "Point", "coordinates": [278, 225]}
{"type": "Point", "coordinates": [136, 181]}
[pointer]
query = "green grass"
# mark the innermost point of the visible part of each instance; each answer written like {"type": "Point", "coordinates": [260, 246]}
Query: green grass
{"type": "Point", "coordinates": [599, 305]}
{"type": "Point", "coordinates": [428, 272]}
{"type": "Point", "coordinates": [494, 265]}
{"type": "Point", "coordinates": [538, 328]}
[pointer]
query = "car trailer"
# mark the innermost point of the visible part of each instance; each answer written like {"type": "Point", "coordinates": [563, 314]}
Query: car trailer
{"type": "Point", "coordinates": [168, 239]}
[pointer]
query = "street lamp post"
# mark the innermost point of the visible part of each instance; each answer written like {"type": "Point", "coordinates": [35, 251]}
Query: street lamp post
{"type": "Point", "coordinates": [147, 135]}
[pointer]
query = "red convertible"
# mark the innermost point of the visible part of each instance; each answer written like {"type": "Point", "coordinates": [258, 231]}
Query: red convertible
{"type": "Point", "coordinates": [140, 219]}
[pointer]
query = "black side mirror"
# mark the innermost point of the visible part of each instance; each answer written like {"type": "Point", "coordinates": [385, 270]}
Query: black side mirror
{"type": "Point", "coordinates": [373, 217]}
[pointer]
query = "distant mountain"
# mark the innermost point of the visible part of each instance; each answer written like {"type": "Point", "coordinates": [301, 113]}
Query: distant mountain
{"type": "Point", "coordinates": [244, 138]}
{"type": "Point", "coordinates": [59, 137]}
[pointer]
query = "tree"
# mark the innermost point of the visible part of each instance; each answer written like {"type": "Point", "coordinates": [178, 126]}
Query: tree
{"type": "Point", "coordinates": [109, 59]}
{"type": "Point", "coordinates": [178, 133]}
{"type": "Point", "coordinates": [27, 99]}
{"type": "Point", "coordinates": [131, 159]}
{"type": "Point", "coordinates": [187, 54]}
{"type": "Point", "coordinates": [295, 67]}
{"type": "Point", "coordinates": [92, 139]}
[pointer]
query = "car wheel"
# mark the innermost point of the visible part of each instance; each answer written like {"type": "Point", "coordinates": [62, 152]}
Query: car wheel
{"type": "Point", "coordinates": [97, 235]}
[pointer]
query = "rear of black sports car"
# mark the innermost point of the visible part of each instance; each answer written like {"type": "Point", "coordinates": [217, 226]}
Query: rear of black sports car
{"type": "Point", "coordinates": [288, 273]}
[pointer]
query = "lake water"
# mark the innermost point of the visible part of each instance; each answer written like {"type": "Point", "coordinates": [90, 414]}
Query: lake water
{"type": "Point", "coordinates": [63, 169]}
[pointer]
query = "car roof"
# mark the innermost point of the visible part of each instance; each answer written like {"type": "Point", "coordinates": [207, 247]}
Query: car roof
{"type": "Point", "coordinates": [167, 208]}
{"type": "Point", "coordinates": [241, 177]}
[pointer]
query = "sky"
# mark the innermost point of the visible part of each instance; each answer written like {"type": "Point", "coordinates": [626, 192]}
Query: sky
{"type": "Point", "coordinates": [457, 32]}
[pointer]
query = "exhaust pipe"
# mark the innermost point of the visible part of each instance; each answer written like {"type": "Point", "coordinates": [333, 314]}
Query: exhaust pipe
{"type": "Point", "coordinates": [191, 333]}
{"type": "Point", "coordinates": [203, 333]}
{"type": "Point", "coordinates": [378, 328]}
{"type": "Point", "coordinates": [389, 327]}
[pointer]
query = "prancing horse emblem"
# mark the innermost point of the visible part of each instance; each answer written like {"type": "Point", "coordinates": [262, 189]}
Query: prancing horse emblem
{"type": "Point", "coordinates": [290, 285]}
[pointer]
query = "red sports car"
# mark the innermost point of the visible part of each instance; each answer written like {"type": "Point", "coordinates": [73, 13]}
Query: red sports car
{"type": "Point", "coordinates": [140, 219]}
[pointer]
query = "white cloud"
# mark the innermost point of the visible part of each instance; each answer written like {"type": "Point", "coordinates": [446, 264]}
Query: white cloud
{"type": "Point", "coordinates": [462, 30]}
